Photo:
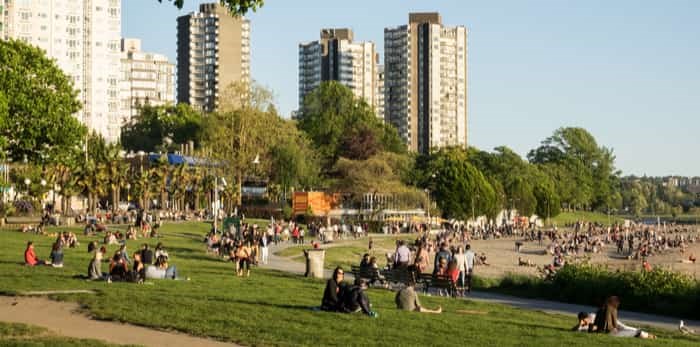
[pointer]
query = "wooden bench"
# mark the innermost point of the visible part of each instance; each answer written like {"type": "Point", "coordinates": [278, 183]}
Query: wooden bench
{"type": "Point", "coordinates": [364, 273]}
{"type": "Point", "coordinates": [437, 282]}
{"type": "Point", "coordinates": [22, 220]}
{"type": "Point", "coordinates": [399, 276]}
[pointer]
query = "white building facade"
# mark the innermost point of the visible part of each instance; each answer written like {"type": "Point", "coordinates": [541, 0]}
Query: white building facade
{"type": "Point", "coordinates": [426, 82]}
{"type": "Point", "coordinates": [83, 37]}
{"type": "Point", "coordinates": [146, 79]}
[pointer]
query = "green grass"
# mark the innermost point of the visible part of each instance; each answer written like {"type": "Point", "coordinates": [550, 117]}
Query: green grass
{"type": "Point", "coordinates": [273, 308]}
{"type": "Point", "coordinates": [15, 334]}
{"type": "Point", "coordinates": [572, 217]}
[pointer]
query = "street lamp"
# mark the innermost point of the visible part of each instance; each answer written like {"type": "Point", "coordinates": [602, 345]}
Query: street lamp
{"type": "Point", "coordinates": [427, 191]}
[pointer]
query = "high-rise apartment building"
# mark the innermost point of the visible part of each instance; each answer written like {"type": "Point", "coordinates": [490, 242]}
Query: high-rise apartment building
{"type": "Point", "coordinates": [379, 96]}
{"type": "Point", "coordinates": [425, 84]}
{"type": "Point", "coordinates": [146, 79]}
{"type": "Point", "coordinates": [335, 57]}
{"type": "Point", "coordinates": [83, 37]}
{"type": "Point", "coordinates": [213, 51]}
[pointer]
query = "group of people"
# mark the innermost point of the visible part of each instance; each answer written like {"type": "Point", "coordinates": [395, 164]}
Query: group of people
{"type": "Point", "coordinates": [145, 264]}
{"type": "Point", "coordinates": [339, 296]}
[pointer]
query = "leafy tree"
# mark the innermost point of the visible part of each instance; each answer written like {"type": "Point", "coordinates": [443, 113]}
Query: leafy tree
{"type": "Point", "coordinates": [342, 125]}
{"type": "Point", "coordinates": [246, 126]}
{"type": "Point", "coordinates": [586, 171]}
{"type": "Point", "coordinates": [236, 7]}
{"type": "Point", "coordinates": [147, 130]}
{"type": "Point", "coordinates": [37, 103]}
{"type": "Point", "coordinates": [293, 162]}
{"type": "Point", "coordinates": [377, 175]}
{"type": "Point", "coordinates": [460, 189]}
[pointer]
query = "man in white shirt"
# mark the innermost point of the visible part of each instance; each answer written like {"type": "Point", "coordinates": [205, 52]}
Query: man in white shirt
{"type": "Point", "coordinates": [402, 255]}
{"type": "Point", "coordinates": [469, 257]}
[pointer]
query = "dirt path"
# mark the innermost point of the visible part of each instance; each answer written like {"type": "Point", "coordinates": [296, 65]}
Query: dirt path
{"type": "Point", "coordinates": [63, 319]}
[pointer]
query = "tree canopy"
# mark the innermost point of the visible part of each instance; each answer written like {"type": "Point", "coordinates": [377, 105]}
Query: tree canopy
{"type": "Point", "coordinates": [147, 130]}
{"type": "Point", "coordinates": [37, 103]}
{"type": "Point", "coordinates": [342, 125]}
{"type": "Point", "coordinates": [236, 7]}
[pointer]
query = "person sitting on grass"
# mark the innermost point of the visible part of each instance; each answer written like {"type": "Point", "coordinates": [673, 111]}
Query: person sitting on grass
{"type": "Point", "coordinates": [407, 299]}
{"type": "Point", "coordinates": [160, 251]}
{"type": "Point", "coordinates": [30, 258]}
{"type": "Point", "coordinates": [57, 254]}
{"type": "Point", "coordinates": [331, 294]}
{"type": "Point", "coordinates": [95, 267]}
{"type": "Point", "coordinates": [138, 271]}
{"type": "Point", "coordinates": [355, 299]}
{"type": "Point", "coordinates": [146, 255]}
{"type": "Point", "coordinates": [606, 321]}
{"type": "Point", "coordinates": [364, 263]}
{"type": "Point", "coordinates": [118, 268]}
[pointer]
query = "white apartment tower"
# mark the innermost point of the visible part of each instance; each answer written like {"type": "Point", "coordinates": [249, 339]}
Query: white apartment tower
{"type": "Point", "coordinates": [213, 51]}
{"type": "Point", "coordinates": [83, 37]}
{"type": "Point", "coordinates": [426, 82]}
{"type": "Point", "coordinates": [335, 57]}
{"type": "Point", "coordinates": [146, 79]}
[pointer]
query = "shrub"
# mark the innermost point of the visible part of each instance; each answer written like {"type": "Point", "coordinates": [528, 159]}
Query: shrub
{"type": "Point", "coordinates": [658, 291]}
{"type": "Point", "coordinates": [23, 207]}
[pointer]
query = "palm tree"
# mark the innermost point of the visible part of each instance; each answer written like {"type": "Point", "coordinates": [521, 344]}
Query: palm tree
{"type": "Point", "coordinates": [160, 173]}
{"type": "Point", "coordinates": [116, 173]}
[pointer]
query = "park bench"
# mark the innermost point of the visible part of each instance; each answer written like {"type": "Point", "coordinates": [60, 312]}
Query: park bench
{"type": "Point", "coordinates": [441, 283]}
{"type": "Point", "coordinates": [398, 276]}
{"type": "Point", "coordinates": [359, 272]}
{"type": "Point", "coordinates": [23, 220]}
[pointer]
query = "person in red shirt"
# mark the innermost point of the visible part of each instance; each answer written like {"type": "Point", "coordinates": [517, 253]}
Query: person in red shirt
{"type": "Point", "coordinates": [30, 256]}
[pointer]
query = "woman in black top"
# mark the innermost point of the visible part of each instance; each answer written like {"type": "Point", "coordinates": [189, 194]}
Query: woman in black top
{"type": "Point", "coordinates": [331, 294]}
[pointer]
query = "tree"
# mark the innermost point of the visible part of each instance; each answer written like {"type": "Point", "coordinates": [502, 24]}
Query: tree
{"type": "Point", "coordinates": [460, 189]}
{"type": "Point", "coordinates": [37, 103]}
{"type": "Point", "coordinates": [147, 130]}
{"type": "Point", "coordinates": [294, 163]}
{"type": "Point", "coordinates": [236, 7]}
{"type": "Point", "coordinates": [379, 175]}
{"type": "Point", "coordinates": [342, 125]}
{"type": "Point", "coordinates": [245, 127]}
{"type": "Point", "coordinates": [585, 171]}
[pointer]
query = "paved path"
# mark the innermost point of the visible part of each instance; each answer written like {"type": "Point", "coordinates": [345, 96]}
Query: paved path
{"type": "Point", "coordinates": [631, 318]}
{"type": "Point", "coordinates": [63, 319]}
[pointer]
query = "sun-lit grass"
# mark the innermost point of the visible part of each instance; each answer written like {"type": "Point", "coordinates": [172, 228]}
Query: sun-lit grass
{"type": "Point", "coordinates": [566, 218]}
{"type": "Point", "coordinates": [15, 334]}
{"type": "Point", "coordinates": [274, 308]}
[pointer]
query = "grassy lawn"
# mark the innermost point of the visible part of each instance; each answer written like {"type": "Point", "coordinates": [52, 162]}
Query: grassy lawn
{"type": "Point", "coordinates": [14, 334]}
{"type": "Point", "coordinates": [572, 217]}
{"type": "Point", "coordinates": [273, 308]}
{"type": "Point", "coordinates": [350, 253]}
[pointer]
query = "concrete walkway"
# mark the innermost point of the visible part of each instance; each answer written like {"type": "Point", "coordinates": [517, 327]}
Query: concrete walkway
{"type": "Point", "coordinates": [628, 317]}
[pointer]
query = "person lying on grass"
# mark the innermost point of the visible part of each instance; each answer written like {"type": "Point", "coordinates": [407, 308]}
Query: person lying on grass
{"type": "Point", "coordinates": [162, 271]}
{"type": "Point", "coordinates": [354, 299]}
{"type": "Point", "coordinates": [407, 299]}
{"type": "Point", "coordinates": [331, 294]}
{"type": "Point", "coordinates": [30, 258]}
{"type": "Point", "coordinates": [606, 321]}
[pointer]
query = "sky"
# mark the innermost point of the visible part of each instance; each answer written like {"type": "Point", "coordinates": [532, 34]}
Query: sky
{"type": "Point", "coordinates": [627, 71]}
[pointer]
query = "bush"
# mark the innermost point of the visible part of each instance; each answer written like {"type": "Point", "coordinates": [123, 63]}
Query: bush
{"type": "Point", "coordinates": [658, 291]}
{"type": "Point", "coordinates": [23, 207]}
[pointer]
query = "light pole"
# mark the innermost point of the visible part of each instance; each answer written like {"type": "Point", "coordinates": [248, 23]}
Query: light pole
{"type": "Point", "coordinates": [427, 191]}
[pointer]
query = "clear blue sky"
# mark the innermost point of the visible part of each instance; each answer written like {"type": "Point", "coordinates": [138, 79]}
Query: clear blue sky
{"type": "Point", "coordinates": [628, 71]}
